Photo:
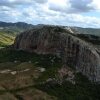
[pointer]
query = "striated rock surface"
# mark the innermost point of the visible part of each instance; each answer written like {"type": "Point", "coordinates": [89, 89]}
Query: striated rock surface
{"type": "Point", "coordinates": [60, 41]}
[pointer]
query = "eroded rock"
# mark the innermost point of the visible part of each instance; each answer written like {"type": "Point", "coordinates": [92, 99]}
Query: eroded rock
{"type": "Point", "coordinates": [75, 52]}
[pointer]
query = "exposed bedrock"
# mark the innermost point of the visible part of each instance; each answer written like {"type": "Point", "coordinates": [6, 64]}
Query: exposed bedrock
{"type": "Point", "coordinates": [77, 53]}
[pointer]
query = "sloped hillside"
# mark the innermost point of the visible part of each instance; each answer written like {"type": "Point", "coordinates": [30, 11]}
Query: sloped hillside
{"type": "Point", "coordinates": [90, 31]}
{"type": "Point", "coordinates": [16, 27]}
{"type": "Point", "coordinates": [8, 31]}
{"type": "Point", "coordinates": [29, 76]}
{"type": "Point", "coordinates": [75, 52]}
{"type": "Point", "coordinates": [6, 38]}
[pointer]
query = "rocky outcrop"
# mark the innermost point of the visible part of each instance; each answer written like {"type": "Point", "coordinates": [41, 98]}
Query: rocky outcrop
{"type": "Point", "coordinates": [75, 52]}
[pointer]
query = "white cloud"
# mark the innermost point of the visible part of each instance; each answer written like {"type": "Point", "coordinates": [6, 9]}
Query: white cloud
{"type": "Point", "coordinates": [58, 5]}
{"type": "Point", "coordinates": [74, 6]}
{"type": "Point", "coordinates": [95, 4]}
{"type": "Point", "coordinates": [62, 12]}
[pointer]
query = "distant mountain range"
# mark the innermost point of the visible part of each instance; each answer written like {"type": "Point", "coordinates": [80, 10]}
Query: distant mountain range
{"type": "Point", "coordinates": [15, 27]}
{"type": "Point", "coordinates": [91, 31]}
{"type": "Point", "coordinates": [8, 31]}
{"type": "Point", "coordinates": [22, 26]}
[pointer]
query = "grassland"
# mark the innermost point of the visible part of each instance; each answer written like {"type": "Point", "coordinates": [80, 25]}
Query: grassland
{"type": "Point", "coordinates": [19, 71]}
{"type": "Point", "coordinates": [28, 83]}
{"type": "Point", "coordinates": [6, 38]}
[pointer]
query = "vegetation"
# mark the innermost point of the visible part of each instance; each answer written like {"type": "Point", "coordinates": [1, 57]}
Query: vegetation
{"type": "Point", "coordinates": [6, 39]}
{"type": "Point", "coordinates": [8, 55]}
{"type": "Point", "coordinates": [90, 31]}
{"type": "Point", "coordinates": [19, 61]}
{"type": "Point", "coordinates": [29, 82]}
{"type": "Point", "coordinates": [82, 90]}
{"type": "Point", "coordinates": [90, 38]}
{"type": "Point", "coordinates": [8, 32]}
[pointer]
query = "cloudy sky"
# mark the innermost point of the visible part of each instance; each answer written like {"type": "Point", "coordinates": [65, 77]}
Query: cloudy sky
{"type": "Point", "coordinates": [84, 13]}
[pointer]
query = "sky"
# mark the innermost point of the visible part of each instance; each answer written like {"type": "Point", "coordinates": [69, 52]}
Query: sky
{"type": "Point", "coordinates": [81, 13]}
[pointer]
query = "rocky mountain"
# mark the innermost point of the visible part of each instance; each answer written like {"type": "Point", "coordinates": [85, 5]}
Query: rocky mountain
{"type": "Point", "coordinates": [82, 54]}
{"type": "Point", "coordinates": [45, 62]}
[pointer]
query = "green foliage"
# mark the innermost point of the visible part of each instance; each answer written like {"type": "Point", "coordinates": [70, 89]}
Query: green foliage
{"type": "Point", "coordinates": [8, 55]}
{"type": "Point", "coordinates": [91, 31]}
{"type": "Point", "coordinates": [6, 38]}
{"type": "Point", "coordinates": [7, 61]}
{"type": "Point", "coordinates": [90, 38]}
{"type": "Point", "coordinates": [82, 90]}
{"type": "Point", "coordinates": [8, 32]}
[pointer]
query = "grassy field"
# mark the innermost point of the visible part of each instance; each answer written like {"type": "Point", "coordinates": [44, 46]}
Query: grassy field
{"type": "Point", "coordinates": [6, 38]}
{"type": "Point", "coordinates": [19, 72]}
{"type": "Point", "coordinates": [21, 79]}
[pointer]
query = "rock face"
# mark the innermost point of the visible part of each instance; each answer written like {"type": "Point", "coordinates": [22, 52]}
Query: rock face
{"type": "Point", "coordinates": [75, 52]}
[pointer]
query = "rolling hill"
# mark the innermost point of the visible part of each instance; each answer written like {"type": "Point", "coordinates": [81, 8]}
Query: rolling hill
{"type": "Point", "coordinates": [90, 31]}
{"type": "Point", "coordinates": [8, 31]}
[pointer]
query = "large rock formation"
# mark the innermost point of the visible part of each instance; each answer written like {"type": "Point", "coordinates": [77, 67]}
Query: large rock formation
{"type": "Point", "coordinates": [75, 52]}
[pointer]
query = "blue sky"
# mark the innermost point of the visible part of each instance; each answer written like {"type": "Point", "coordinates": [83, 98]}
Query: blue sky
{"type": "Point", "coordinates": [83, 13]}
